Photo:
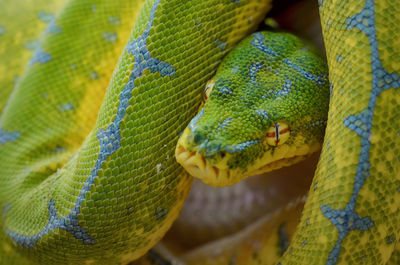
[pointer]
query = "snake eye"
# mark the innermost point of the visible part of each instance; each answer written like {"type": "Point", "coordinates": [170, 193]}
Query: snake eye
{"type": "Point", "coordinates": [208, 89]}
{"type": "Point", "coordinates": [277, 134]}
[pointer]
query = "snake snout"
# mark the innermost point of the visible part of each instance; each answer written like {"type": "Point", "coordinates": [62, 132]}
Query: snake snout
{"type": "Point", "coordinates": [198, 157]}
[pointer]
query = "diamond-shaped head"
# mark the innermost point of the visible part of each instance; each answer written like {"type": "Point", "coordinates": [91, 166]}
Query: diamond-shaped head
{"type": "Point", "coordinates": [265, 108]}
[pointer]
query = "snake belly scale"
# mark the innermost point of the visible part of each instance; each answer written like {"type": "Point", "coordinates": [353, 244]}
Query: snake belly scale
{"type": "Point", "coordinates": [88, 174]}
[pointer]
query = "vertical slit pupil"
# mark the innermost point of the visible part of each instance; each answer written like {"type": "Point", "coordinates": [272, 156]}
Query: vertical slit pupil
{"type": "Point", "coordinates": [276, 133]}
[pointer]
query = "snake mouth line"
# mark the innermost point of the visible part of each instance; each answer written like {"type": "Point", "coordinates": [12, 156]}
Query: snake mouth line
{"type": "Point", "coordinates": [197, 166]}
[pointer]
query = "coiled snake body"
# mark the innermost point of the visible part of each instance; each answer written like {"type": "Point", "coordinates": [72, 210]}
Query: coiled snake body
{"type": "Point", "coordinates": [88, 175]}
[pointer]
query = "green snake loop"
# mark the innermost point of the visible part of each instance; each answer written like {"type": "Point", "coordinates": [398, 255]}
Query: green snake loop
{"type": "Point", "coordinates": [87, 172]}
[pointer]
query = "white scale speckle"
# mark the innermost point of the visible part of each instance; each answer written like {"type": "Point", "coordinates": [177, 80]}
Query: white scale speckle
{"type": "Point", "coordinates": [159, 166]}
{"type": "Point", "coordinates": [235, 69]}
{"type": "Point", "coordinates": [329, 23]}
{"type": "Point", "coordinates": [110, 37]}
{"type": "Point", "coordinates": [114, 20]}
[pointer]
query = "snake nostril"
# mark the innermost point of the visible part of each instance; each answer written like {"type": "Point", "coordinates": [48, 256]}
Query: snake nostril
{"type": "Point", "coordinates": [198, 137]}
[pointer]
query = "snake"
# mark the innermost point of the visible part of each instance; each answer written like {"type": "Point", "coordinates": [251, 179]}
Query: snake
{"type": "Point", "coordinates": [92, 109]}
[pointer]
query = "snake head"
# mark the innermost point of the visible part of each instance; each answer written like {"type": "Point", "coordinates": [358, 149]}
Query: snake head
{"type": "Point", "coordinates": [266, 108]}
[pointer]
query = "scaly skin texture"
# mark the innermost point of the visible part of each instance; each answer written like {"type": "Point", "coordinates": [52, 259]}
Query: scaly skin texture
{"type": "Point", "coordinates": [92, 180]}
{"type": "Point", "coordinates": [271, 81]}
{"type": "Point", "coordinates": [19, 41]}
{"type": "Point", "coordinates": [121, 189]}
{"type": "Point", "coordinates": [351, 215]}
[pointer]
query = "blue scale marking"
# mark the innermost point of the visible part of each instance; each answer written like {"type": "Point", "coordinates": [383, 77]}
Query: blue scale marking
{"type": "Point", "coordinates": [304, 49]}
{"type": "Point", "coordinates": [109, 139]}
{"type": "Point", "coordinates": [6, 137]}
{"type": "Point", "coordinates": [2, 30]}
{"type": "Point", "coordinates": [110, 36]}
{"type": "Point", "coordinates": [319, 79]}
{"type": "Point", "coordinates": [225, 91]}
{"type": "Point", "coordinates": [347, 219]}
{"type": "Point", "coordinates": [287, 87]}
{"type": "Point", "coordinates": [235, 69]}
{"type": "Point", "coordinates": [49, 19]}
{"type": "Point", "coordinates": [67, 107]}
{"type": "Point", "coordinates": [224, 124]}
{"type": "Point", "coordinates": [359, 123]}
{"type": "Point", "coordinates": [194, 121]}
{"type": "Point", "coordinates": [53, 28]}
{"type": "Point", "coordinates": [45, 17]}
{"type": "Point", "coordinates": [221, 44]}
{"type": "Point", "coordinates": [258, 42]}
{"type": "Point", "coordinates": [40, 57]}
{"type": "Point", "coordinates": [263, 114]}
{"type": "Point", "coordinates": [59, 149]}
{"type": "Point", "coordinates": [114, 20]}
{"type": "Point", "coordinates": [94, 75]}
{"type": "Point", "coordinates": [253, 70]}
{"type": "Point", "coordinates": [239, 147]}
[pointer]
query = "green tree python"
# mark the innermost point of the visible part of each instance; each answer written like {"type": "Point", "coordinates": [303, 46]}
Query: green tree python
{"type": "Point", "coordinates": [95, 108]}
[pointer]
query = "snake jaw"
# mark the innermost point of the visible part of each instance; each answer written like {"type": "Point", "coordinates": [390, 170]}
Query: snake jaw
{"type": "Point", "coordinates": [217, 173]}
{"type": "Point", "coordinates": [194, 162]}
{"type": "Point", "coordinates": [196, 165]}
